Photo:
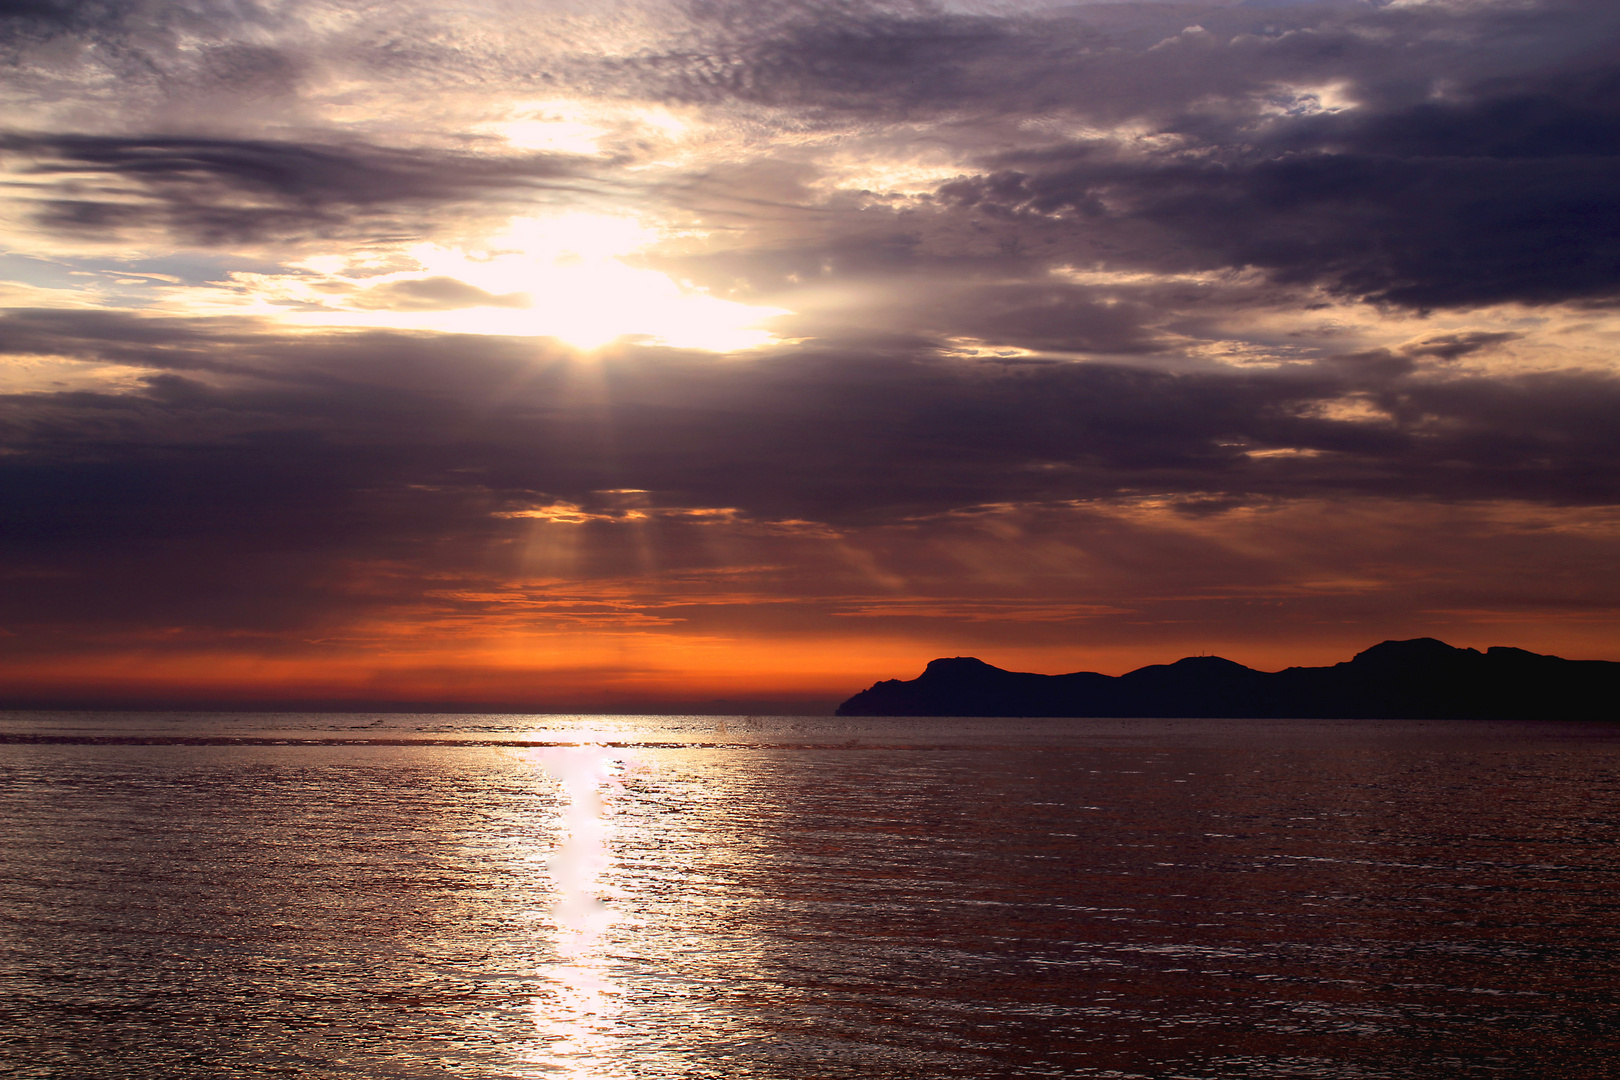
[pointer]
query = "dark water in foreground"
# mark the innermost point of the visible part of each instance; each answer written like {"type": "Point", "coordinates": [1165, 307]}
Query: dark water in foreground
{"type": "Point", "coordinates": [806, 898]}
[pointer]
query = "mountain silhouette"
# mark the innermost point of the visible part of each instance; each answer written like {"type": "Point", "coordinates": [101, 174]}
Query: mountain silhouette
{"type": "Point", "coordinates": [1420, 679]}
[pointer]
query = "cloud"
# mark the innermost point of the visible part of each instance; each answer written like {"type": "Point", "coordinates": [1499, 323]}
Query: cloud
{"type": "Point", "coordinates": [1454, 346]}
{"type": "Point", "coordinates": [1495, 212]}
{"type": "Point", "coordinates": [818, 433]}
{"type": "Point", "coordinates": [23, 17]}
{"type": "Point", "coordinates": [1427, 156]}
{"type": "Point", "coordinates": [436, 294]}
{"type": "Point", "coordinates": [214, 191]}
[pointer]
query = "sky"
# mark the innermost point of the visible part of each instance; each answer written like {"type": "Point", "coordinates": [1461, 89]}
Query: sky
{"type": "Point", "coordinates": [713, 355]}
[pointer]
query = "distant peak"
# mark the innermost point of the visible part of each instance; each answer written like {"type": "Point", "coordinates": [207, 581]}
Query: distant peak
{"type": "Point", "coordinates": [956, 665]}
{"type": "Point", "coordinates": [1217, 668]}
{"type": "Point", "coordinates": [1207, 663]}
{"type": "Point", "coordinates": [1412, 650]}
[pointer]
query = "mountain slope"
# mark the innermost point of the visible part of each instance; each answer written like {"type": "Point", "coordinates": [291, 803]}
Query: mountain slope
{"type": "Point", "coordinates": [1418, 679]}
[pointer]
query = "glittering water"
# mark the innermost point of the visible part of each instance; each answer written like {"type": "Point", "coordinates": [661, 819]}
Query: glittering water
{"type": "Point", "coordinates": [648, 897]}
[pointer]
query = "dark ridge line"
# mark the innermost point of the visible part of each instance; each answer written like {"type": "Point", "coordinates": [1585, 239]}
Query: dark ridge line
{"type": "Point", "coordinates": [1420, 679]}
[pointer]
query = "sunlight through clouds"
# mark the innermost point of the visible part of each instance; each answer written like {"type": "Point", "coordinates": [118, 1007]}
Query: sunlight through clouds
{"type": "Point", "coordinates": [566, 277]}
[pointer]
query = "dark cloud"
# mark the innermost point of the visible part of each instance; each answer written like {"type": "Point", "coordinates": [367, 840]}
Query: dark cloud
{"type": "Point", "coordinates": [211, 192]}
{"type": "Point", "coordinates": [1454, 346]}
{"type": "Point", "coordinates": [1109, 62]}
{"type": "Point", "coordinates": [836, 434]}
{"type": "Point", "coordinates": [1537, 221]}
{"type": "Point", "coordinates": [266, 485]}
{"type": "Point", "coordinates": [1426, 156]}
{"type": "Point", "coordinates": [20, 16]}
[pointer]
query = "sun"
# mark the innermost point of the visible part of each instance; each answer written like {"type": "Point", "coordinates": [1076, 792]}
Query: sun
{"type": "Point", "coordinates": [565, 277]}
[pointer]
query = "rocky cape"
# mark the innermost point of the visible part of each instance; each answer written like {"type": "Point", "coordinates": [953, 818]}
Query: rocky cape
{"type": "Point", "coordinates": [1420, 679]}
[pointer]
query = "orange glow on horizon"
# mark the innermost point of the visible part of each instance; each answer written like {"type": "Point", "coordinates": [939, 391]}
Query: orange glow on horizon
{"type": "Point", "coordinates": [618, 673]}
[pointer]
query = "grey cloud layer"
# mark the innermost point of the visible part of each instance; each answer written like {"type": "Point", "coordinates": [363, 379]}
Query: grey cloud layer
{"type": "Point", "coordinates": [1511, 198]}
{"type": "Point", "coordinates": [1478, 162]}
{"type": "Point", "coordinates": [213, 191]}
{"type": "Point", "coordinates": [254, 471]}
{"type": "Point", "coordinates": [851, 434]}
{"type": "Point", "coordinates": [1427, 156]}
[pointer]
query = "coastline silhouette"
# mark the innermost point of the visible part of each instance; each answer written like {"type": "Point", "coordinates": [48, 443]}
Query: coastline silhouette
{"type": "Point", "coordinates": [1417, 679]}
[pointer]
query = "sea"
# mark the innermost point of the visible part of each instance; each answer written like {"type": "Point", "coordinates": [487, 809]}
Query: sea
{"type": "Point", "coordinates": [218, 895]}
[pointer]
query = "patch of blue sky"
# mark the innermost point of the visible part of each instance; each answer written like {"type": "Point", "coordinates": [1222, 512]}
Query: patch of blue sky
{"type": "Point", "coordinates": [180, 268]}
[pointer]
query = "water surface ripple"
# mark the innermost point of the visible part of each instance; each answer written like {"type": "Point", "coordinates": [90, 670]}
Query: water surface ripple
{"type": "Point", "coordinates": [648, 897]}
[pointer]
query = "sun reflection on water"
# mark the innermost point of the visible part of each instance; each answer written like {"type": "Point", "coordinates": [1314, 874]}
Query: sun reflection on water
{"type": "Point", "coordinates": [577, 1014]}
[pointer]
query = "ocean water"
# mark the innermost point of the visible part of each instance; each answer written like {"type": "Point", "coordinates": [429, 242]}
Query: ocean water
{"type": "Point", "coordinates": [217, 895]}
